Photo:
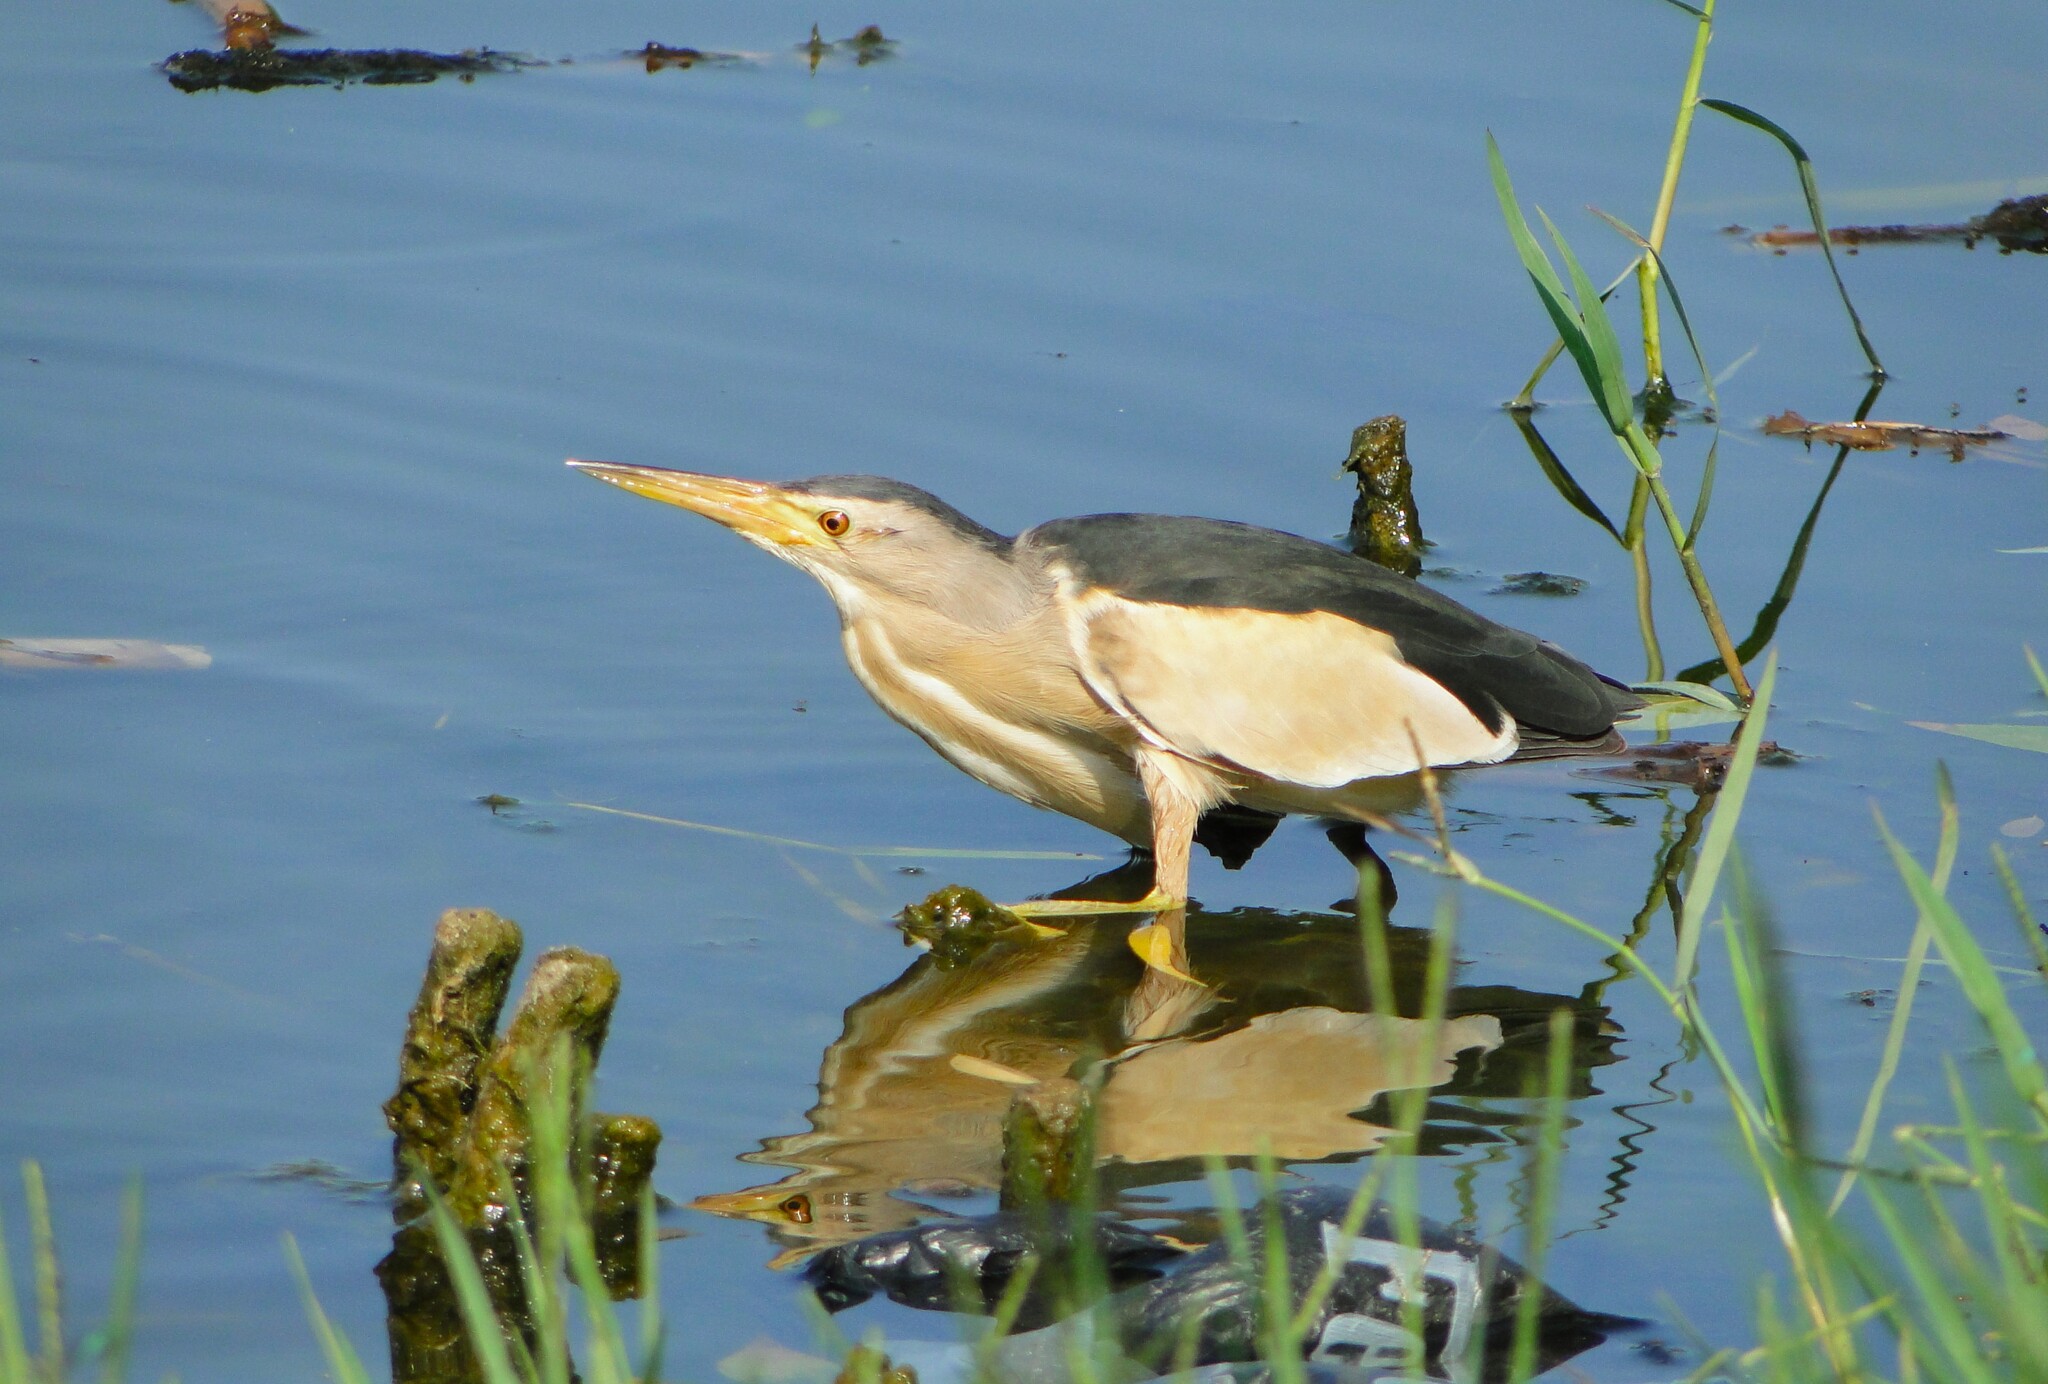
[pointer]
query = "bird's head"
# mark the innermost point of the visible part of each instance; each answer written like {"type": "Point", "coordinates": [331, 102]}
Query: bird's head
{"type": "Point", "coordinates": [866, 538]}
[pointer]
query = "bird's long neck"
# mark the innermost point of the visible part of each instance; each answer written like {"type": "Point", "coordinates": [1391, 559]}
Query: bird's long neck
{"type": "Point", "coordinates": [978, 594]}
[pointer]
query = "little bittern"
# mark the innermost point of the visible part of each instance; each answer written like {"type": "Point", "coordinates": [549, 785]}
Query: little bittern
{"type": "Point", "coordinates": [1135, 670]}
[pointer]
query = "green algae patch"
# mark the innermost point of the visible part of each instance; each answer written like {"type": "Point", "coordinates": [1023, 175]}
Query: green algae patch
{"type": "Point", "coordinates": [1386, 526]}
{"type": "Point", "coordinates": [476, 1119]}
{"type": "Point", "coordinates": [956, 924]}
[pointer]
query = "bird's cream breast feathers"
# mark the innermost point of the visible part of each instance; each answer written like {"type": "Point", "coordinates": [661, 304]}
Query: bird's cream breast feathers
{"type": "Point", "coordinates": [1008, 707]}
{"type": "Point", "coordinates": [1312, 699]}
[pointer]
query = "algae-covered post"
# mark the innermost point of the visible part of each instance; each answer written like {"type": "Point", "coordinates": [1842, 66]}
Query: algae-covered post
{"type": "Point", "coordinates": [448, 1036]}
{"type": "Point", "coordinates": [568, 997]}
{"type": "Point", "coordinates": [463, 1119]}
{"type": "Point", "coordinates": [1385, 525]}
{"type": "Point", "coordinates": [1048, 1146]}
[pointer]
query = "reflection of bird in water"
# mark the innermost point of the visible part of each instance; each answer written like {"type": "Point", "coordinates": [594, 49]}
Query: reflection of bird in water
{"type": "Point", "coordinates": [1287, 1081]}
{"type": "Point", "coordinates": [1279, 1047]}
{"type": "Point", "coordinates": [1133, 670]}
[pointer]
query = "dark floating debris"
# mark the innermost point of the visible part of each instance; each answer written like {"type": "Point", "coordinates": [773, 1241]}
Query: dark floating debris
{"type": "Point", "coordinates": [249, 59]}
{"type": "Point", "coordinates": [1691, 763]}
{"type": "Point", "coordinates": [658, 56]}
{"type": "Point", "coordinates": [1879, 437]}
{"type": "Point", "coordinates": [866, 46]}
{"type": "Point", "coordinates": [2019, 223]}
{"type": "Point", "coordinates": [1539, 584]}
{"type": "Point", "coordinates": [261, 69]}
{"type": "Point", "coordinates": [1386, 527]}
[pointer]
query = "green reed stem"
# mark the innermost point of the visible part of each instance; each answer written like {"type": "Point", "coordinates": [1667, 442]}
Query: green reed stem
{"type": "Point", "coordinates": [1649, 464]}
{"type": "Point", "coordinates": [1667, 195]}
{"type": "Point", "coordinates": [1639, 560]}
{"type": "Point", "coordinates": [1544, 1165]}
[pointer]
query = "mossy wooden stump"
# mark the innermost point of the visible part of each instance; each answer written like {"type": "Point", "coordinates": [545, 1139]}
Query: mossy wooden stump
{"type": "Point", "coordinates": [460, 1123]}
{"type": "Point", "coordinates": [1048, 1146]}
{"type": "Point", "coordinates": [1386, 527]}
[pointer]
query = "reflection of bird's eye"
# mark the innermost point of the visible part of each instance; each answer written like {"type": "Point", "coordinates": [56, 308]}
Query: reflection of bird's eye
{"type": "Point", "coordinates": [798, 1207]}
{"type": "Point", "coordinates": [835, 522]}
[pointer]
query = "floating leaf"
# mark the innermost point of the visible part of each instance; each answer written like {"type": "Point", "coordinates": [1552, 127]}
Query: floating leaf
{"type": "Point", "coordinates": [1694, 691]}
{"type": "Point", "coordinates": [100, 653]}
{"type": "Point", "coordinates": [1811, 189]}
{"type": "Point", "coordinates": [2033, 738]}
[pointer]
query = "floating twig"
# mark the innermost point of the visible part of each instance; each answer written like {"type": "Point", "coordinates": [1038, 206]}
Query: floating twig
{"type": "Point", "coordinates": [1869, 436]}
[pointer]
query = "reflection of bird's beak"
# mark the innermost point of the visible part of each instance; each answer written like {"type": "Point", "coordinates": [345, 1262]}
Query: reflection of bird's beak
{"type": "Point", "coordinates": [758, 510]}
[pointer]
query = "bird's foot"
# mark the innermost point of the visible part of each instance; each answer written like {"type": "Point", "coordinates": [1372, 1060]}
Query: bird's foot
{"type": "Point", "coordinates": [1154, 902]}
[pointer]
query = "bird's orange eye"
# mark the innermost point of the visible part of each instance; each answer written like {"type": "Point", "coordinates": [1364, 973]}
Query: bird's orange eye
{"type": "Point", "coordinates": [798, 1207]}
{"type": "Point", "coordinates": [835, 522]}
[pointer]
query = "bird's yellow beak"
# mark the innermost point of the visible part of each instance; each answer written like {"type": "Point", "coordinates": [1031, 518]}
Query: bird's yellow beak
{"type": "Point", "coordinates": [755, 509]}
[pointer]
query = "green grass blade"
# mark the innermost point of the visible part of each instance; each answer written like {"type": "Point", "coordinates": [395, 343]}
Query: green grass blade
{"type": "Point", "coordinates": [1706, 495]}
{"type": "Point", "coordinates": [1704, 693]}
{"type": "Point", "coordinates": [1545, 1163]}
{"type": "Point", "coordinates": [544, 1303]}
{"type": "Point", "coordinates": [1943, 1321]}
{"type": "Point", "coordinates": [1811, 189]}
{"type": "Point", "coordinates": [2021, 912]}
{"type": "Point", "coordinates": [561, 1205]}
{"type": "Point", "coordinates": [1533, 259]}
{"type": "Point", "coordinates": [1975, 974]}
{"type": "Point", "coordinates": [1751, 937]}
{"type": "Point", "coordinates": [1609, 383]}
{"type": "Point", "coordinates": [1909, 988]}
{"type": "Point", "coordinates": [1280, 1346]}
{"type": "Point", "coordinates": [2006, 1237]}
{"type": "Point", "coordinates": [479, 1315]}
{"type": "Point", "coordinates": [342, 1361]}
{"type": "Point", "coordinates": [1692, 340]}
{"type": "Point", "coordinates": [1550, 289]}
{"type": "Point", "coordinates": [2012, 737]}
{"type": "Point", "coordinates": [119, 1332]}
{"type": "Point", "coordinates": [14, 1357]}
{"type": "Point", "coordinates": [1526, 399]}
{"type": "Point", "coordinates": [49, 1277]}
{"type": "Point", "coordinates": [653, 1334]}
{"type": "Point", "coordinates": [1720, 833]}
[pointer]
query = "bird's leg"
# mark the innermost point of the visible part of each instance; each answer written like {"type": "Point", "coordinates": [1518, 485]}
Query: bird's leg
{"type": "Point", "coordinates": [1174, 814]}
{"type": "Point", "coordinates": [1175, 810]}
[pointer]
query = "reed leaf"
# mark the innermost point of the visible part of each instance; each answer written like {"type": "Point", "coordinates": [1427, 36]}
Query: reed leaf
{"type": "Point", "coordinates": [1810, 189]}
{"type": "Point", "coordinates": [1720, 833]}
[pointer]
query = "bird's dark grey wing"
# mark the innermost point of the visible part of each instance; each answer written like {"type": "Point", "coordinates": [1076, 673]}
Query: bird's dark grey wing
{"type": "Point", "coordinates": [1214, 564]}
